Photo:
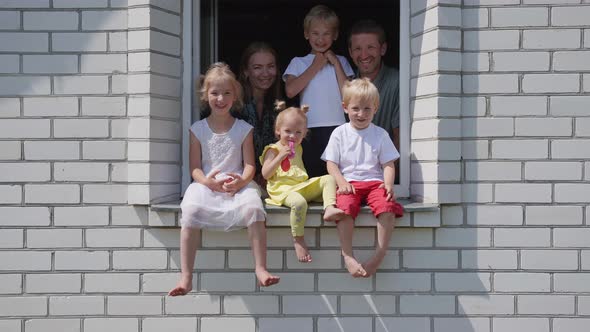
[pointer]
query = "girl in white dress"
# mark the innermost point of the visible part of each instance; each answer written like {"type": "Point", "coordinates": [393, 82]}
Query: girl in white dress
{"type": "Point", "coordinates": [222, 196]}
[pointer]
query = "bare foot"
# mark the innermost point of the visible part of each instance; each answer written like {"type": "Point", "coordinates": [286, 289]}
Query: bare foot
{"type": "Point", "coordinates": [332, 213]}
{"type": "Point", "coordinates": [372, 264]}
{"type": "Point", "coordinates": [266, 279]}
{"type": "Point", "coordinates": [354, 267]}
{"type": "Point", "coordinates": [184, 286]}
{"type": "Point", "coordinates": [301, 250]}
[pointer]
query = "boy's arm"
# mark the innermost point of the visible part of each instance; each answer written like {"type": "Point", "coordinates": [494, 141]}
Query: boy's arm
{"type": "Point", "coordinates": [340, 74]}
{"type": "Point", "coordinates": [389, 179]}
{"type": "Point", "coordinates": [295, 84]}
{"type": "Point", "coordinates": [344, 187]}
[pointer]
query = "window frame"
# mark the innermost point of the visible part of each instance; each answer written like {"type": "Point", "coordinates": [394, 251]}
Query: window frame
{"type": "Point", "coordinates": [192, 69]}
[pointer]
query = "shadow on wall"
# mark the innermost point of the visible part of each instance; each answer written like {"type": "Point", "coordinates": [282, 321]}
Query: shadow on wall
{"type": "Point", "coordinates": [452, 133]}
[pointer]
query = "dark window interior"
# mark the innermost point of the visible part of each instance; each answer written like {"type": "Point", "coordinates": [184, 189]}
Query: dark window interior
{"type": "Point", "coordinates": [280, 22]}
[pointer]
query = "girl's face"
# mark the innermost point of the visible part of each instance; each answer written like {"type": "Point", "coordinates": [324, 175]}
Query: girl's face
{"type": "Point", "coordinates": [320, 35]}
{"type": "Point", "coordinates": [292, 129]}
{"type": "Point", "coordinates": [221, 96]}
{"type": "Point", "coordinates": [261, 71]}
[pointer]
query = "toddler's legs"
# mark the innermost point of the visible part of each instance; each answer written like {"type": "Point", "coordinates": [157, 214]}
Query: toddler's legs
{"type": "Point", "coordinates": [298, 205]}
{"type": "Point", "coordinates": [257, 235]}
{"type": "Point", "coordinates": [345, 229]}
{"type": "Point", "coordinates": [189, 242]}
{"type": "Point", "coordinates": [328, 187]}
{"type": "Point", "coordinates": [385, 225]}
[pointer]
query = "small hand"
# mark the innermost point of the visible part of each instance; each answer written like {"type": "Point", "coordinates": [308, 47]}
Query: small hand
{"type": "Point", "coordinates": [213, 183]}
{"type": "Point", "coordinates": [320, 60]}
{"type": "Point", "coordinates": [389, 190]}
{"type": "Point", "coordinates": [331, 57]}
{"type": "Point", "coordinates": [233, 183]}
{"type": "Point", "coordinates": [345, 189]}
{"type": "Point", "coordinates": [284, 151]}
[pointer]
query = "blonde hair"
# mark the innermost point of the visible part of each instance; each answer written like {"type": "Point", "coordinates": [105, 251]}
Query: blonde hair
{"type": "Point", "coordinates": [361, 88]}
{"type": "Point", "coordinates": [220, 72]}
{"type": "Point", "coordinates": [324, 14]}
{"type": "Point", "coordinates": [284, 112]}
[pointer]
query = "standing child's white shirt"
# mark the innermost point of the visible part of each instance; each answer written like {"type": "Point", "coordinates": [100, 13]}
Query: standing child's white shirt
{"type": "Point", "coordinates": [360, 154]}
{"type": "Point", "coordinates": [322, 93]}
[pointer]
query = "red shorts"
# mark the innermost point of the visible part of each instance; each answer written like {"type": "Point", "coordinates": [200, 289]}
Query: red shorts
{"type": "Point", "coordinates": [370, 193]}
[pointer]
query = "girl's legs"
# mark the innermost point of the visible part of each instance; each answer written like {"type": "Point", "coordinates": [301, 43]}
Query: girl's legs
{"type": "Point", "coordinates": [189, 242]}
{"type": "Point", "coordinates": [345, 229]}
{"type": "Point", "coordinates": [328, 189]}
{"type": "Point", "coordinates": [385, 225]}
{"type": "Point", "coordinates": [257, 235]}
{"type": "Point", "coordinates": [298, 204]}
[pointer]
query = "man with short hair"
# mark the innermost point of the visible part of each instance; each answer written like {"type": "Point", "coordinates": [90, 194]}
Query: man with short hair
{"type": "Point", "coordinates": [366, 46]}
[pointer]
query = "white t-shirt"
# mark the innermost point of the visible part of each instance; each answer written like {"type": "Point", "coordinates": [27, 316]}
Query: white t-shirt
{"type": "Point", "coordinates": [360, 154]}
{"type": "Point", "coordinates": [322, 93]}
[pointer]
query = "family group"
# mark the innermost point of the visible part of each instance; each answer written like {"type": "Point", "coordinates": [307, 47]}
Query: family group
{"type": "Point", "coordinates": [248, 138]}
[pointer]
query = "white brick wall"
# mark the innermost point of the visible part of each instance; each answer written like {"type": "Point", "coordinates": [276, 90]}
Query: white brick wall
{"type": "Point", "coordinates": [499, 109]}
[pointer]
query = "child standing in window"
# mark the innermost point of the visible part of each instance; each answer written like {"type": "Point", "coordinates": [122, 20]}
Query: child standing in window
{"type": "Point", "coordinates": [222, 196]}
{"type": "Point", "coordinates": [288, 183]}
{"type": "Point", "coordinates": [318, 78]}
{"type": "Point", "coordinates": [361, 156]}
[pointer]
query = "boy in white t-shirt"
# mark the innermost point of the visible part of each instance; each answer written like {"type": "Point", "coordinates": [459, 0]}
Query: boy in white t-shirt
{"type": "Point", "coordinates": [318, 77]}
{"type": "Point", "coordinates": [360, 156]}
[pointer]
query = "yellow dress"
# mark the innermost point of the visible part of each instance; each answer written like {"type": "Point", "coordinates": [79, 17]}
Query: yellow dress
{"type": "Point", "coordinates": [282, 183]}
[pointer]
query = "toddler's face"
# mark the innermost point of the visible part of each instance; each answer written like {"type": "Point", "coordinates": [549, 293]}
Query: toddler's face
{"type": "Point", "coordinates": [292, 129]}
{"type": "Point", "coordinates": [320, 35]}
{"type": "Point", "coordinates": [360, 112]}
{"type": "Point", "coordinates": [221, 96]}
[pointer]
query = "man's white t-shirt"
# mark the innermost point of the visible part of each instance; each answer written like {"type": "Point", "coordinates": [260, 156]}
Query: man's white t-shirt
{"type": "Point", "coordinates": [360, 154]}
{"type": "Point", "coordinates": [322, 93]}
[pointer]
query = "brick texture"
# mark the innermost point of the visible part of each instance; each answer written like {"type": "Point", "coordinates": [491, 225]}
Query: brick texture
{"type": "Point", "coordinates": [91, 135]}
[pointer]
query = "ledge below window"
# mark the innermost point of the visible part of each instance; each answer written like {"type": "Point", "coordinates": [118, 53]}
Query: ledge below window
{"type": "Point", "coordinates": [416, 215]}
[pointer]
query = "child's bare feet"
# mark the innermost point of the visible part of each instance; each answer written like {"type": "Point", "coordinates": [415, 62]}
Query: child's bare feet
{"type": "Point", "coordinates": [354, 267]}
{"type": "Point", "coordinates": [301, 250]}
{"type": "Point", "coordinates": [372, 264]}
{"type": "Point", "coordinates": [266, 279]}
{"type": "Point", "coordinates": [332, 213]}
{"type": "Point", "coordinates": [184, 286]}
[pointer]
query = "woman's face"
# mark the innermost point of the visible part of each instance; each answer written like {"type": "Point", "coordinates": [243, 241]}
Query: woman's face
{"type": "Point", "coordinates": [261, 71]}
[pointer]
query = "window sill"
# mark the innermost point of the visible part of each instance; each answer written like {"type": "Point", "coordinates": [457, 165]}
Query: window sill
{"type": "Point", "coordinates": [417, 214]}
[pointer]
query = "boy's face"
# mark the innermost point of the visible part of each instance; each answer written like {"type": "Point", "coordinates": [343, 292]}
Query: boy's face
{"type": "Point", "coordinates": [360, 112]}
{"type": "Point", "coordinates": [366, 52]}
{"type": "Point", "coordinates": [320, 35]}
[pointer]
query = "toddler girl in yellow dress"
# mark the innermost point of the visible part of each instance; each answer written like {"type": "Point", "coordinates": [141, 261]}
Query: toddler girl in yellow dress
{"type": "Point", "coordinates": [287, 181]}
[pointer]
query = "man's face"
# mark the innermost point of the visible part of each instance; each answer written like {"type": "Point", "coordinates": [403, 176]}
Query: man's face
{"type": "Point", "coordinates": [366, 52]}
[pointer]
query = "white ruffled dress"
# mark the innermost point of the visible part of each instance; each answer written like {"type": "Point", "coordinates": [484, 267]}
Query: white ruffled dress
{"type": "Point", "coordinates": [203, 208]}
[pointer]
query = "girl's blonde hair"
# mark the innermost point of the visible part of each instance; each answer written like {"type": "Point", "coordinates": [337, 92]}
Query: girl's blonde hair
{"type": "Point", "coordinates": [324, 14]}
{"type": "Point", "coordinates": [281, 107]}
{"type": "Point", "coordinates": [361, 88]}
{"type": "Point", "coordinates": [220, 72]}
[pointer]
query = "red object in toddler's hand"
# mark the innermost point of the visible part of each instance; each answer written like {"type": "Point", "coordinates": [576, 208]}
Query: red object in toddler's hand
{"type": "Point", "coordinates": [286, 164]}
